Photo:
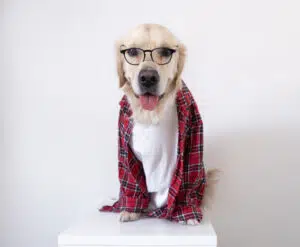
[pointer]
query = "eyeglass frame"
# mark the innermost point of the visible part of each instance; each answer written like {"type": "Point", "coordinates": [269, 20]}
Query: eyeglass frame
{"type": "Point", "coordinates": [144, 52]}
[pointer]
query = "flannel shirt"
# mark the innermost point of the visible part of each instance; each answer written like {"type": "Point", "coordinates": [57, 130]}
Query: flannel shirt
{"type": "Point", "coordinates": [188, 182]}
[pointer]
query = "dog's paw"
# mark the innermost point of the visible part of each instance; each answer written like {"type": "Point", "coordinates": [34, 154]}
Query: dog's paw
{"type": "Point", "coordinates": [191, 222]}
{"type": "Point", "coordinates": [126, 216]}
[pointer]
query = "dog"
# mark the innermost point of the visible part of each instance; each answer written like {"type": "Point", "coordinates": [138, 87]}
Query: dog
{"type": "Point", "coordinates": [161, 169]}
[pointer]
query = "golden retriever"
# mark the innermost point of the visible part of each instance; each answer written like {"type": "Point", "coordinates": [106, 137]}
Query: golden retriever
{"type": "Point", "coordinates": [150, 61]}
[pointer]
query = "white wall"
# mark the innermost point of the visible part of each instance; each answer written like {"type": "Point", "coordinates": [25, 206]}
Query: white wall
{"type": "Point", "coordinates": [61, 107]}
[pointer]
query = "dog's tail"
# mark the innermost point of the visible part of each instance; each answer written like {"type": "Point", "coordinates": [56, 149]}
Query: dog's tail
{"type": "Point", "coordinates": [212, 178]}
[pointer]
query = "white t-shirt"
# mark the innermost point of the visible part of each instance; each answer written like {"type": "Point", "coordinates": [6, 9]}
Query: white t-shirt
{"type": "Point", "coordinates": [156, 147]}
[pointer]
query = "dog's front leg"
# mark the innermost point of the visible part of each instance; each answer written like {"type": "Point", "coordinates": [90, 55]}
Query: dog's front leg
{"type": "Point", "coordinates": [127, 216]}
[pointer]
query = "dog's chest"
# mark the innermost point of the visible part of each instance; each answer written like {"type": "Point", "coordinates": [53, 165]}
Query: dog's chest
{"type": "Point", "coordinates": [156, 147]}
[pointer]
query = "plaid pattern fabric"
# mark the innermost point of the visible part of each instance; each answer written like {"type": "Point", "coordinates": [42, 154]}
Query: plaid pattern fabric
{"type": "Point", "coordinates": [188, 182]}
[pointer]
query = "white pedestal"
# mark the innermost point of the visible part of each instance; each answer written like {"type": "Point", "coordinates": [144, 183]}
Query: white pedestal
{"type": "Point", "coordinates": [104, 229]}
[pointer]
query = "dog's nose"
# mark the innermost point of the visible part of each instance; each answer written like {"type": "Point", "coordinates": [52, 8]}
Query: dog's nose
{"type": "Point", "coordinates": [148, 78]}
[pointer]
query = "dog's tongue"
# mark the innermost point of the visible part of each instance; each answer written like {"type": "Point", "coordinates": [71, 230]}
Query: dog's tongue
{"type": "Point", "coordinates": [149, 102]}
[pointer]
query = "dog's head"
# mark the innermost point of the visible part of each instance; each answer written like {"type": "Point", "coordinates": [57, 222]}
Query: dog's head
{"type": "Point", "coordinates": [150, 61]}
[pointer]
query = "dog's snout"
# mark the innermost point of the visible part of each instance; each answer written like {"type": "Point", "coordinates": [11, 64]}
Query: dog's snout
{"type": "Point", "coordinates": [148, 78]}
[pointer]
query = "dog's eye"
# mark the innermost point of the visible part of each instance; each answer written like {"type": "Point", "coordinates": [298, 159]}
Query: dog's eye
{"type": "Point", "coordinates": [162, 55]}
{"type": "Point", "coordinates": [165, 52]}
{"type": "Point", "coordinates": [134, 56]}
{"type": "Point", "coordinates": [132, 52]}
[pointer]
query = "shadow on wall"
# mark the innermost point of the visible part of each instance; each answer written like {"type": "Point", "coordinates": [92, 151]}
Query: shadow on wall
{"type": "Point", "coordinates": [257, 200]}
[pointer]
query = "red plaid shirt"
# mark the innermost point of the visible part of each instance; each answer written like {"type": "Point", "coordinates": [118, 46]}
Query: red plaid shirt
{"type": "Point", "coordinates": [188, 182]}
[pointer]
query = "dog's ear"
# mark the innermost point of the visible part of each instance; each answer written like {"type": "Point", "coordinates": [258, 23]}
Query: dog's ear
{"type": "Point", "coordinates": [119, 59]}
{"type": "Point", "coordinates": [180, 64]}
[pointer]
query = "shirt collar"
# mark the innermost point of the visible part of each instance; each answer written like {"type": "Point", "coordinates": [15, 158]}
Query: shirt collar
{"type": "Point", "coordinates": [184, 100]}
{"type": "Point", "coordinates": [125, 106]}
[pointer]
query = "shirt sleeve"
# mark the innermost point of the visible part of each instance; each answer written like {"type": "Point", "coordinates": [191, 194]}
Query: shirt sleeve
{"type": "Point", "coordinates": [195, 165]}
{"type": "Point", "coordinates": [133, 190]}
{"type": "Point", "coordinates": [192, 190]}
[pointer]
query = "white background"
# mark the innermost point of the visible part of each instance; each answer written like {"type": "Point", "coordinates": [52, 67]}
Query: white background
{"type": "Point", "coordinates": [60, 108]}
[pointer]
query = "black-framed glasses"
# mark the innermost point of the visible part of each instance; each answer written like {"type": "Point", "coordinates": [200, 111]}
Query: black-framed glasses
{"type": "Point", "coordinates": [160, 56]}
